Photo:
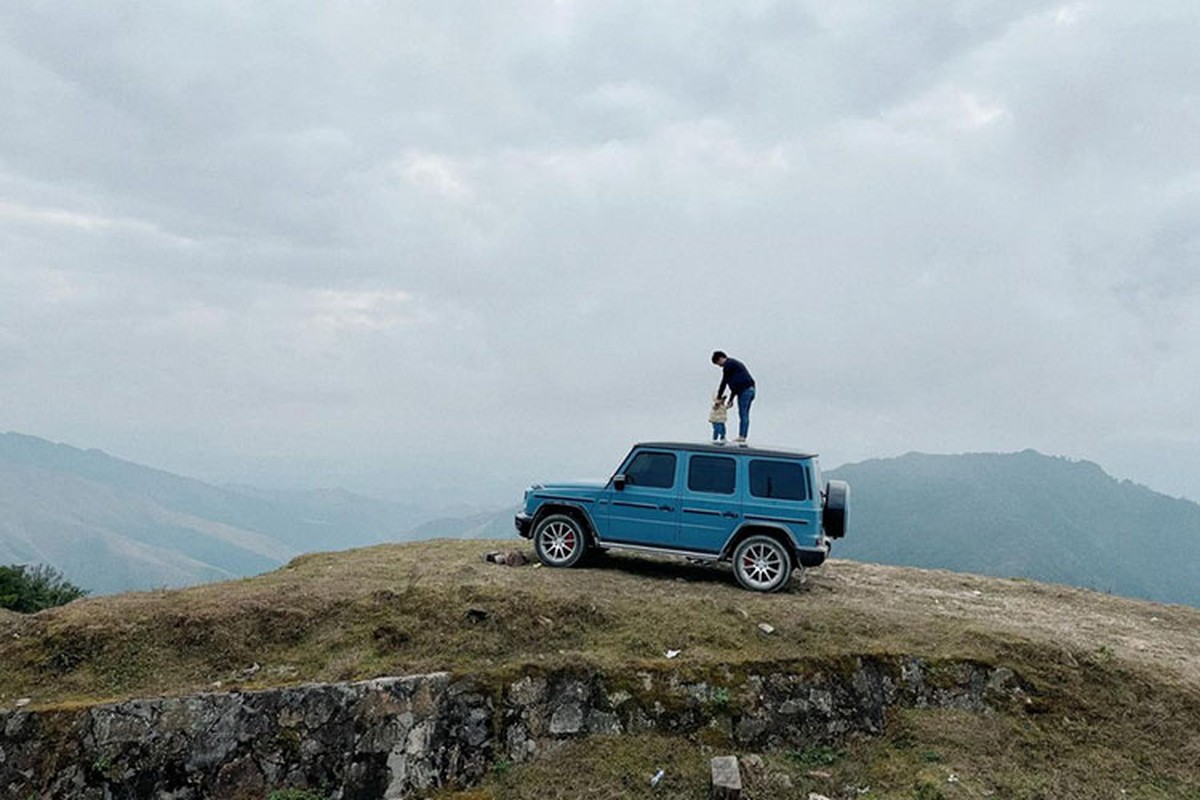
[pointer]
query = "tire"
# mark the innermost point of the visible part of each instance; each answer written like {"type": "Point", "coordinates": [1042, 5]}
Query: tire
{"type": "Point", "coordinates": [559, 541]}
{"type": "Point", "coordinates": [762, 564]}
{"type": "Point", "coordinates": [835, 516]}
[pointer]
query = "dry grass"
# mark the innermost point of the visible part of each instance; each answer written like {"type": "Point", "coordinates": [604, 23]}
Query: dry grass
{"type": "Point", "coordinates": [397, 609]}
{"type": "Point", "coordinates": [1117, 680]}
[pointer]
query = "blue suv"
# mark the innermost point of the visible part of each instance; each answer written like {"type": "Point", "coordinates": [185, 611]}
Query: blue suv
{"type": "Point", "coordinates": [763, 509]}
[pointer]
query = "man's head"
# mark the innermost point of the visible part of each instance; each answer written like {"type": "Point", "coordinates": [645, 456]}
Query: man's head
{"type": "Point", "coordinates": [718, 357]}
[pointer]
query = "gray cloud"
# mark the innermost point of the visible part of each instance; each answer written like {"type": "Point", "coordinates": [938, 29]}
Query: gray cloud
{"type": "Point", "coordinates": [321, 244]}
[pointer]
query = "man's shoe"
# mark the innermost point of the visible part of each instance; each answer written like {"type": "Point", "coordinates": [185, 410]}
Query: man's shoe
{"type": "Point", "coordinates": [740, 441]}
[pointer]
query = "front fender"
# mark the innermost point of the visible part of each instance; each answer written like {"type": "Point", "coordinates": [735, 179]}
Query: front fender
{"type": "Point", "coordinates": [559, 506]}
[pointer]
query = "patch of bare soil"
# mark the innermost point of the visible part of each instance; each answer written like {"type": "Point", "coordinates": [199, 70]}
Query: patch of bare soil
{"type": "Point", "coordinates": [1163, 638]}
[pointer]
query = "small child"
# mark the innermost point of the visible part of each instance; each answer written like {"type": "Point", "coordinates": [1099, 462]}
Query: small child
{"type": "Point", "coordinates": [717, 415]}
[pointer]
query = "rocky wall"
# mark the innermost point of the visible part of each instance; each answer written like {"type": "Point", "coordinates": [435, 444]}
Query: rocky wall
{"type": "Point", "coordinates": [404, 737]}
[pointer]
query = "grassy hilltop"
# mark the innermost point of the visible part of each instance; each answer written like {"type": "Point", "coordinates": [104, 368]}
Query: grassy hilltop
{"type": "Point", "coordinates": [1115, 710]}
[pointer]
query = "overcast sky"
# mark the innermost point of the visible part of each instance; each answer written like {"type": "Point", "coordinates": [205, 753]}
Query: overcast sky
{"type": "Point", "coordinates": [408, 247]}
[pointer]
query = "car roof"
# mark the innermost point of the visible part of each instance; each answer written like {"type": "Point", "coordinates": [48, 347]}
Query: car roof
{"type": "Point", "coordinates": [708, 447]}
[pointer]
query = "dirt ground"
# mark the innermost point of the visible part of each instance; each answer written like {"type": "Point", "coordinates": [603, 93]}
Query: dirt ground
{"type": "Point", "coordinates": [1161, 637]}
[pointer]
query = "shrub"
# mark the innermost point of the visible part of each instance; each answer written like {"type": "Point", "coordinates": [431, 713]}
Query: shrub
{"type": "Point", "coordinates": [294, 794]}
{"type": "Point", "coordinates": [29, 589]}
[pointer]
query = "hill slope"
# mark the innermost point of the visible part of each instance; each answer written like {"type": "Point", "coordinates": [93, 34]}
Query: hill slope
{"type": "Point", "coordinates": [1114, 683]}
{"type": "Point", "coordinates": [111, 525]}
{"type": "Point", "coordinates": [1024, 514]}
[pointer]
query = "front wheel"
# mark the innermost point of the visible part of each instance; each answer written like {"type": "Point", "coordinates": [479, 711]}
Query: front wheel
{"type": "Point", "coordinates": [559, 541]}
{"type": "Point", "coordinates": [762, 564]}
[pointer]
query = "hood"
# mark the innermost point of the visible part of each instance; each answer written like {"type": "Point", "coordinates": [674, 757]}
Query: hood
{"type": "Point", "coordinates": [559, 487]}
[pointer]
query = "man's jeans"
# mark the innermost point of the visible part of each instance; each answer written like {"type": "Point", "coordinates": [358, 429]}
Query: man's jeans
{"type": "Point", "coordinates": [744, 400]}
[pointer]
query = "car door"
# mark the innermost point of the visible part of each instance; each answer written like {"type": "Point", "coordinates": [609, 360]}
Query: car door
{"type": "Point", "coordinates": [710, 502]}
{"type": "Point", "coordinates": [646, 510]}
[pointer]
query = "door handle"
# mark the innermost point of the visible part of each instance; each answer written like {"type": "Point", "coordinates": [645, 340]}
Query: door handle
{"type": "Point", "coordinates": [666, 508]}
{"type": "Point", "coordinates": [730, 514]}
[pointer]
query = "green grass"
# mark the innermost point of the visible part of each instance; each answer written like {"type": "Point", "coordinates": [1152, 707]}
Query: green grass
{"type": "Point", "coordinates": [294, 794]}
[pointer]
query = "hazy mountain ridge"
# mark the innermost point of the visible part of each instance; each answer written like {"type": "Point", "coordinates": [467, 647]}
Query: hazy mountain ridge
{"type": "Point", "coordinates": [113, 525]}
{"type": "Point", "coordinates": [1024, 515]}
{"type": "Point", "coordinates": [481, 525]}
{"type": "Point", "coordinates": [72, 523]}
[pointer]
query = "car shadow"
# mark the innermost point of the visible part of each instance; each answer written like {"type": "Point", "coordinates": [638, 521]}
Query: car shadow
{"type": "Point", "coordinates": [674, 568]}
{"type": "Point", "coordinates": [661, 567]}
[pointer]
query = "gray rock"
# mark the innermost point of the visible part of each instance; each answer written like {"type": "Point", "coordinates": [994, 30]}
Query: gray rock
{"type": "Point", "coordinates": [603, 722]}
{"type": "Point", "coordinates": [1000, 679]}
{"type": "Point", "coordinates": [567, 718]}
{"type": "Point", "coordinates": [790, 707]}
{"type": "Point", "coordinates": [726, 781]}
{"type": "Point", "coordinates": [821, 700]}
{"type": "Point", "coordinates": [527, 691]}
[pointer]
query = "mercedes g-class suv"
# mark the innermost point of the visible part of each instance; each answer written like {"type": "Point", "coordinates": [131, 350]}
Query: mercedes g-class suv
{"type": "Point", "coordinates": [763, 509]}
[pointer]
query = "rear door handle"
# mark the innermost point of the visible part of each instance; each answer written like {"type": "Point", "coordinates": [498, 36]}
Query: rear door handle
{"type": "Point", "coordinates": [666, 508]}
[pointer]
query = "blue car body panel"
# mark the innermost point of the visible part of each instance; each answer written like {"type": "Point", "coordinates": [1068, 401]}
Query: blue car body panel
{"type": "Point", "coordinates": [694, 499]}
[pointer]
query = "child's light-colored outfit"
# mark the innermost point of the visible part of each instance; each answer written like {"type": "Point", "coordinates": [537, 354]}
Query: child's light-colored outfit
{"type": "Point", "coordinates": [717, 416]}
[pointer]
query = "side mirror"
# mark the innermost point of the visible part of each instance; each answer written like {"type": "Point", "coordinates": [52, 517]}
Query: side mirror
{"type": "Point", "coordinates": [619, 482]}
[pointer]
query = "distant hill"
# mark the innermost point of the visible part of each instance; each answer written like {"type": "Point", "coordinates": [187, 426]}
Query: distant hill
{"type": "Point", "coordinates": [112, 525]}
{"type": "Point", "coordinates": [481, 525]}
{"type": "Point", "coordinates": [1024, 515]}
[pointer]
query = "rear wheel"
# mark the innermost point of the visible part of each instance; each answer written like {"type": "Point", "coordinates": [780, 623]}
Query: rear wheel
{"type": "Point", "coordinates": [559, 541]}
{"type": "Point", "coordinates": [762, 564]}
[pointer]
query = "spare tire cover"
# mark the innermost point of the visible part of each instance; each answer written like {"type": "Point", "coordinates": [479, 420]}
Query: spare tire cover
{"type": "Point", "coordinates": [836, 516]}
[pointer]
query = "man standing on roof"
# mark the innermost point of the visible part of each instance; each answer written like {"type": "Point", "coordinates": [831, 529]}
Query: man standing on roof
{"type": "Point", "coordinates": [741, 385]}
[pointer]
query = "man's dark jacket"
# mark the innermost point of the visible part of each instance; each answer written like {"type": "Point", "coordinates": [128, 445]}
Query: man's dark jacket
{"type": "Point", "coordinates": [735, 375]}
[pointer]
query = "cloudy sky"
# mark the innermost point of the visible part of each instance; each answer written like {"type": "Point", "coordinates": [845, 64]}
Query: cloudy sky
{"type": "Point", "coordinates": [409, 247]}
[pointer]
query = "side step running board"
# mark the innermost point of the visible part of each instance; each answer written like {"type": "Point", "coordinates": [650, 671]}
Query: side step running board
{"type": "Point", "coordinates": [659, 551]}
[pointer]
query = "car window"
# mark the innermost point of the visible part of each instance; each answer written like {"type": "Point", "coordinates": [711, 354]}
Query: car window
{"type": "Point", "coordinates": [652, 470]}
{"type": "Point", "coordinates": [780, 480]}
{"type": "Point", "coordinates": [711, 474]}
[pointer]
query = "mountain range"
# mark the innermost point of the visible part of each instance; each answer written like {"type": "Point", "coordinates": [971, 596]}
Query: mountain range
{"type": "Point", "coordinates": [1024, 515]}
{"type": "Point", "coordinates": [111, 525]}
